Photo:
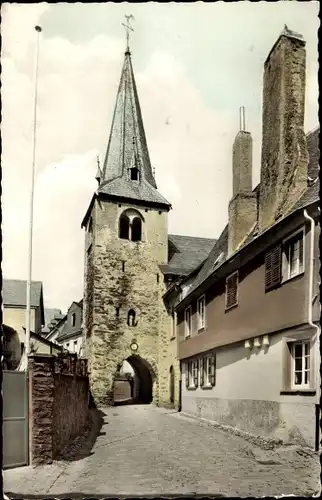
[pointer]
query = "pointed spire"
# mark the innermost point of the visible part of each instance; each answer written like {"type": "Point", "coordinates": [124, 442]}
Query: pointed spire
{"type": "Point", "coordinates": [127, 147]}
{"type": "Point", "coordinates": [98, 175]}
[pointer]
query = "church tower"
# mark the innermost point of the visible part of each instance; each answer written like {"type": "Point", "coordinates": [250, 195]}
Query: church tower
{"type": "Point", "coordinates": [126, 239]}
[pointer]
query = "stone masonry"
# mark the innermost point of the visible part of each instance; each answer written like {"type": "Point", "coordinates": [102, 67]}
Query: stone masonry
{"type": "Point", "coordinates": [110, 292]}
{"type": "Point", "coordinates": [284, 149]}
{"type": "Point", "coordinates": [58, 404]}
{"type": "Point", "coordinates": [242, 211]}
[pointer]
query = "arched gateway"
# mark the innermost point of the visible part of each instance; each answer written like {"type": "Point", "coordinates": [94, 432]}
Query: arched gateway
{"type": "Point", "coordinates": [136, 388]}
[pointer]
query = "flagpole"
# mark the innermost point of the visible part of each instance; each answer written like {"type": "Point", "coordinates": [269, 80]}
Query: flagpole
{"type": "Point", "coordinates": [28, 298]}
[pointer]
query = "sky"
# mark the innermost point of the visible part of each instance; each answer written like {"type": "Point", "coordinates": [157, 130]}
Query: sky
{"type": "Point", "coordinates": [195, 64]}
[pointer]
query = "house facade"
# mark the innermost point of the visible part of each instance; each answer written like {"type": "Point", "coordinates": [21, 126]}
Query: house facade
{"type": "Point", "coordinates": [248, 328]}
{"type": "Point", "coordinates": [14, 308]}
{"type": "Point", "coordinates": [68, 331]}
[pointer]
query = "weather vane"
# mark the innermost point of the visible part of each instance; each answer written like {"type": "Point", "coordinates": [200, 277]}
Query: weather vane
{"type": "Point", "coordinates": [128, 28]}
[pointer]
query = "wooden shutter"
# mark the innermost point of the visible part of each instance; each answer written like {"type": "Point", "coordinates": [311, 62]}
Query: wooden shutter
{"type": "Point", "coordinates": [195, 373]}
{"type": "Point", "coordinates": [213, 370]}
{"type": "Point", "coordinates": [273, 268]}
{"type": "Point", "coordinates": [231, 290]}
{"type": "Point", "coordinates": [201, 372]}
{"type": "Point", "coordinates": [187, 365]}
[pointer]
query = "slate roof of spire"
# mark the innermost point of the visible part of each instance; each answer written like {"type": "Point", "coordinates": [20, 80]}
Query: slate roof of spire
{"type": "Point", "coordinates": [127, 147]}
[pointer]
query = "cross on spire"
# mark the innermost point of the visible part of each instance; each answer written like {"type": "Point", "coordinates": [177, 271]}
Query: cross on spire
{"type": "Point", "coordinates": [128, 28]}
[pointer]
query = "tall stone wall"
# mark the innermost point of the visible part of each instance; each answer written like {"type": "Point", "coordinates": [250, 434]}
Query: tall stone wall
{"type": "Point", "coordinates": [125, 275]}
{"type": "Point", "coordinates": [58, 404]}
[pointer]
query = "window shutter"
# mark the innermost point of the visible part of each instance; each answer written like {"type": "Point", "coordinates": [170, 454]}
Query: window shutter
{"type": "Point", "coordinates": [195, 373]}
{"type": "Point", "coordinates": [187, 374]}
{"type": "Point", "coordinates": [231, 290]}
{"type": "Point", "coordinates": [213, 370]}
{"type": "Point", "coordinates": [273, 268]}
{"type": "Point", "coordinates": [201, 372]}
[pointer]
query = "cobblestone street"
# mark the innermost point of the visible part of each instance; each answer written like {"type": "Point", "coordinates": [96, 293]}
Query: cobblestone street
{"type": "Point", "coordinates": [148, 450]}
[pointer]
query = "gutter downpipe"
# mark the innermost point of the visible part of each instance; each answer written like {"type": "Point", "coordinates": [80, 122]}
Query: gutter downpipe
{"type": "Point", "coordinates": [317, 334]}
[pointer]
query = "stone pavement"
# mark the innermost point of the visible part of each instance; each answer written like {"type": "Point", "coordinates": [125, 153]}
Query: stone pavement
{"type": "Point", "coordinates": [149, 450]}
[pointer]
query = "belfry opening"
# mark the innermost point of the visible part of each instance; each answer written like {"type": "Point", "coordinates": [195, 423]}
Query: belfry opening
{"type": "Point", "coordinates": [133, 382]}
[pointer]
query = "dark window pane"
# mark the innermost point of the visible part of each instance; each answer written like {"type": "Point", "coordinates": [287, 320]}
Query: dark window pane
{"type": "Point", "coordinates": [136, 229]}
{"type": "Point", "coordinates": [298, 350]}
{"type": "Point", "coordinates": [298, 378]}
{"type": "Point", "coordinates": [298, 364]}
{"type": "Point", "coordinates": [307, 377]}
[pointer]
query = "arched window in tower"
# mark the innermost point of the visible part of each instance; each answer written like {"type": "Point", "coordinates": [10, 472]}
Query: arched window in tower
{"type": "Point", "coordinates": [136, 229]}
{"type": "Point", "coordinates": [124, 227]}
{"type": "Point", "coordinates": [131, 318]}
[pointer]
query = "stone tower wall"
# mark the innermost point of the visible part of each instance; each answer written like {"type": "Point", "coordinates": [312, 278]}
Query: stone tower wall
{"type": "Point", "coordinates": [111, 292]}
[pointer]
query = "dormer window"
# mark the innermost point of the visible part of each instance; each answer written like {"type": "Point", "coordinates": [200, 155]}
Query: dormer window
{"type": "Point", "coordinates": [134, 174]}
{"type": "Point", "coordinates": [73, 319]}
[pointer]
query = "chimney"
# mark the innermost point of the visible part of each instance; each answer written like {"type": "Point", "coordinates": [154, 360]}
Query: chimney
{"type": "Point", "coordinates": [242, 210]}
{"type": "Point", "coordinates": [284, 161]}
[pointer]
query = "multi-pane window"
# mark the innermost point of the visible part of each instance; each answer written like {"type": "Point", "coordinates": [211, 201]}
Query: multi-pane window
{"type": "Point", "coordinates": [301, 364]}
{"type": "Point", "coordinates": [294, 255]}
{"type": "Point", "coordinates": [232, 290]}
{"type": "Point", "coordinates": [192, 375]}
{"type": "Point", "coordinates": [208, 371]}
{"type": "Point", "coordinates": [201, 313]}
{"type": "Point", "coordinates": [188, 321]}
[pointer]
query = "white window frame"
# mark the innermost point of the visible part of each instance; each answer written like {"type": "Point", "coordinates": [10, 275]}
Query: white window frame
{"type": "Point", "coordinates": [303, 385]}
{"type": "Point", "coordinates": [187, 328]}
{"type": "Point", "coordinates": [286, 262]}
{"type": "Point", "coordinates": [207, 370]}
{"type": "Point", "coordinates": [192, 366]}
{"type": "Point", "coordinates": [201, 321]}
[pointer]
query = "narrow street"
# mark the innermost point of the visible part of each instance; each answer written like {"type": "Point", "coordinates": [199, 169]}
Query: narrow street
{"type": "Point", "coordinates": [149, 450]}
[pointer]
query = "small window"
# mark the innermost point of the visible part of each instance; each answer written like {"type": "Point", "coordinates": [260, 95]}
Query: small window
{"type": "Point", "coordinates": [123, 266]}
{"type": "Point", "coordinates": [90, 225]}
{"type": "Point", "coordinates": [232, 290]}
{"type": "Point", "coordinates": [131, 318]}
{"type": "Point", "coordinates": [173, 324]}
{"type": "Point", "coordinates": [117, 312]}
{"type": "Point", "coordinates": [188, 321]}
{"type": "Point", "coordinates": [124, 227]}
{"type": "Point", "coordinates": [301, 364]}
{"type": "Point", "coordinates": [208, 371]}
{"type": "Point", "coordinates": [201, 313]}
{"type": "Point", "coordinates": [158, 278]}
{"type": "Point", "coordinates": [134, 173]}
{"type": "Point", "coordinates": [294, 256]}
{"type": "Point", "coordinates": [192, 375]}
{"type": "Point", "coordinates": [136, 229]}
{"type": "Point", "coordinates": [273, 269]}
{"type": "Point", "coordinates": [73, 319]}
